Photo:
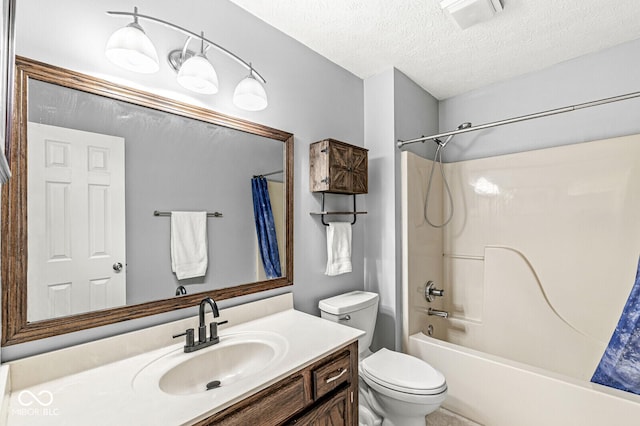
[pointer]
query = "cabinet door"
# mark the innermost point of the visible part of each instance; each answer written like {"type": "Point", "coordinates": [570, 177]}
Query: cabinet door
{"type": "Point", "coordinates": [360, 171]}
{"type": "Point", "coordinates": [333, 412]}
{"type": "Point", "coordinates": [271, 407]}
{"type": "Point", "coordinates": [340, 168]}
{"type": "Point", "coordinates": [337, 167]}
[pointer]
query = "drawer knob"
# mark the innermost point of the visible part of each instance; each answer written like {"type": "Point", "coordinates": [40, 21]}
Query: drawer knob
{"type": "Point", "coordinates": [334, 378]}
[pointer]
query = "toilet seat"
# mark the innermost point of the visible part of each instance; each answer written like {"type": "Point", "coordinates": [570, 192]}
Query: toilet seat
{"type": "Point", "coordinates": [402, 373]}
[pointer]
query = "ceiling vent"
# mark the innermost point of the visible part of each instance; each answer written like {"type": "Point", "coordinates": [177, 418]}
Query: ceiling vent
{"type": "Point", "coordinates": [470, 12]}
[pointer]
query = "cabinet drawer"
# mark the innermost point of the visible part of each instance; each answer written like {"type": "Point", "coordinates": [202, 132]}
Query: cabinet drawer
{"type": "Point", "coordinates": [331, 375]}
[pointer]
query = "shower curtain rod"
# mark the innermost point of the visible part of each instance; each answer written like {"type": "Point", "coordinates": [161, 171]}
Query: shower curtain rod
{"type": "Point", "coordinates": [277, 172]}
{"type": "Point", "coordinates": [523, 118]}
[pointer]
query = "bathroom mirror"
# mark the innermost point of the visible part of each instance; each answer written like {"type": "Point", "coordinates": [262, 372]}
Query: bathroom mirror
{"type": "Point", "coordinates": [174, 156]}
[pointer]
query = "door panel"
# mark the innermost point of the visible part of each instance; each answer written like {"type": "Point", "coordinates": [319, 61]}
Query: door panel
{"type": "Point", "coordinates": [77, 179]}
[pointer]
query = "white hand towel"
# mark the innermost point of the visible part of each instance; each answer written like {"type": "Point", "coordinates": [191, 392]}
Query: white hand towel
{"type": "Point", "coordinates": [338, 248]}
{"type": "Point", "coordinates": [189, 244]}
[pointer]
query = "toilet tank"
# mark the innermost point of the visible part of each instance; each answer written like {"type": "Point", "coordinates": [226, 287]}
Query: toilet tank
{"type": "Point", "coordinates": [357, 309]}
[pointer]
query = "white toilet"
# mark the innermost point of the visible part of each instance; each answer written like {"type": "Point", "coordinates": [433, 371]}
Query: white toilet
{"type": "Point", "coordinates": [396, 389]}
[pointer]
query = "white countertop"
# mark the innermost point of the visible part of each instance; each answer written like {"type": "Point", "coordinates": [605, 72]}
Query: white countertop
{"type": "Point", "coordinates": [105, 395]}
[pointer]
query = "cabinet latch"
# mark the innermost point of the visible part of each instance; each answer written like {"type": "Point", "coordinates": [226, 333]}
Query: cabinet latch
{"type": "Point", "coordinates": [325, 180]}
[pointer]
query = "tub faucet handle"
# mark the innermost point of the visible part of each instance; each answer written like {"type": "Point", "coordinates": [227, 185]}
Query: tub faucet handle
{"type": "Point", "coordinates": [431, 292]}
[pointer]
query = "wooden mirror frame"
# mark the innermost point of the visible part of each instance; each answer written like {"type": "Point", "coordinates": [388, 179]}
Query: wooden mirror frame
{"type": "Point", "coordinates": [15, 327]}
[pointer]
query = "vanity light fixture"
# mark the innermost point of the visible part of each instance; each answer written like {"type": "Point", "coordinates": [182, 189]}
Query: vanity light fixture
{"type": "Point", "coordinates": [131, 49]}
{"type": "Point", "coordinates": [196, 72]}
{"type": "Point", "coordinates": [249, 94]}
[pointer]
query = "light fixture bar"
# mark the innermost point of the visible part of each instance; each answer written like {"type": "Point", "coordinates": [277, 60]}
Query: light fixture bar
{"type": "Point", "coordinates": [194, 35]}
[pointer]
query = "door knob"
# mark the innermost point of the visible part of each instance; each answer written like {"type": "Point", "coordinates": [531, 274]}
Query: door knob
{"type": "Point", "coordinates": [117, 266]}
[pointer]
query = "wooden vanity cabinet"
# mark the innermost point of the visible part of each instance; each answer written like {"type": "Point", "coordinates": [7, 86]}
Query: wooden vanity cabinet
{"type": "Point", "coordinates": [323, 393]}
{"type": "Point", "coordinates": [332, 412]}
{"type": "Point", "coordinates": [338, 167]}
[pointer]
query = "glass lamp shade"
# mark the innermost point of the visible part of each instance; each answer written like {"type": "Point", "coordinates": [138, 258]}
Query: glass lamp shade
{"type": "Point", "coordinates": [250, 95]}
{"type": "Point", "coordinates": [131, 49]}
{"type": "Point", "coordinates": [198, 75]}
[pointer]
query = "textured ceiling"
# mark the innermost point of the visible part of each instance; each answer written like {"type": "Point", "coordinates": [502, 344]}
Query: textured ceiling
{"type": "Point", "coordinates": [367, 37]}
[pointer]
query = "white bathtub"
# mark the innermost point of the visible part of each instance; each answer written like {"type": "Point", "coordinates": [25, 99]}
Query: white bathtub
{"type": "Point", "coordinates": [495, 391]}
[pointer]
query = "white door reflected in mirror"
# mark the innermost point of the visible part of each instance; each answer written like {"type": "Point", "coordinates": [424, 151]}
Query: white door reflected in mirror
{"type": "Point", "coordinates": [76, 226]}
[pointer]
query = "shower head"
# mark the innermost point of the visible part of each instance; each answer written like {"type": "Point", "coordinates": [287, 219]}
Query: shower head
{"type": "Point", "coordinates": [464, 125]}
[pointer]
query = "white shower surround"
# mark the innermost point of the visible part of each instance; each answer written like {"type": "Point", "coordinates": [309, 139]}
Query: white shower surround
{"type": "Point", "coordinates": [538, 240]}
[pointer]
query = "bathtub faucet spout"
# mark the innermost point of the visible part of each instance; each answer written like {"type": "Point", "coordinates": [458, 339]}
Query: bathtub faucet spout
{"type": "Point", "coordinates": [438, 313]}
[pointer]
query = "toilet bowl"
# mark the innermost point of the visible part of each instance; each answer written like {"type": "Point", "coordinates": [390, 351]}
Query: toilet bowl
{"type": "Point", "coordinates": [406, 388]}
{"type": "Point", "coordinates": [396, 389]}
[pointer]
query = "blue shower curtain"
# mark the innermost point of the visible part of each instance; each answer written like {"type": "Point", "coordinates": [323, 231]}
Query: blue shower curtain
{"type": "Point", "coordinates": [620, 365]}
{"type": "Point", "coordinates": [265, 228]}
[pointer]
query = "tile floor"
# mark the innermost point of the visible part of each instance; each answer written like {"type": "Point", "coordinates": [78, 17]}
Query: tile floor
{"type": "Point", "coordinates": [443, 417]}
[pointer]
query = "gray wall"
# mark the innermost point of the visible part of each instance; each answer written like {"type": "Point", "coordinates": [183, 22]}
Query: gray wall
{"type": "Point", "coordinates": [604, 74]}
{"type": "Point", "coordinates": [309, 96]}
{"type": "Point", "coordinates": [395, 108]}
{"type": "Point", "coordinates": [172, 163]}
{"type": "Point", "coordinates": [380, 244]}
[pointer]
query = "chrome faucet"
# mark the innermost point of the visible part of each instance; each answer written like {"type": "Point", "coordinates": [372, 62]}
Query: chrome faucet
{"type": "Point", "coordinates": [438, 313]}
{"type": "Point", "coordinates": [203, 341]}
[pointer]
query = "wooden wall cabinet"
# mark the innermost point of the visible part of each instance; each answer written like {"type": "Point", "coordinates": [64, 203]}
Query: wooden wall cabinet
{"type": "Point", "coordinates": [323, 393]}
{"type": "Point", "coordinates": [338, 167]}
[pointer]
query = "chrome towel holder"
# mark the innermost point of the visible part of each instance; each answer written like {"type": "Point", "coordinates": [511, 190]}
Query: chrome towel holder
{"type": "Point", "coordinates": [324, 213]}
{"type": "Point", "coordinates": [159, 213]}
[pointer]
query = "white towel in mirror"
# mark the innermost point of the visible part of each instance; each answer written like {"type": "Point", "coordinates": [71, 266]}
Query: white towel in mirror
{"type": "Point", "coordinates": [189, 251]}
{"type": "Point", "coordinates": [338, 248]}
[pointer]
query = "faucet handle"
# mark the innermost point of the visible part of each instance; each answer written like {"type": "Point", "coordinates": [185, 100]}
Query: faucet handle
{"type": "Point", "coordinates": [213, 330]}
{"type": "Point", "coordinates": [189, 339]}
{"type": "Point", "coordinates": [431, 292]}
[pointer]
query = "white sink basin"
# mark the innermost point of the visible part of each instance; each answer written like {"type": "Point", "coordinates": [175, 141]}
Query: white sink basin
{"type": "Point", "coordinates": [237, 359]}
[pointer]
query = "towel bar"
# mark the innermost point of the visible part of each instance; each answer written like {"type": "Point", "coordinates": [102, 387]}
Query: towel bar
{"type": "Point", "coordinates": [159, 213]}
{"type": "Point", "coordinates": [324, 213]}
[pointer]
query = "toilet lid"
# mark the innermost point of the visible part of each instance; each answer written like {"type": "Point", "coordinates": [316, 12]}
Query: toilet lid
{"type": "Point", "coordinates": [403, 373]}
